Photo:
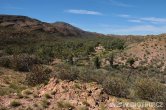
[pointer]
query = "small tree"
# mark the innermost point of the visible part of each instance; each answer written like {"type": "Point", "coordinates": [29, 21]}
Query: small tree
{"type": "Point", "coordinates": [130, 61]}
{"type": "Point", "coordinates": [97, 63]}
{"type": "Point", "coordinates": [70, 60]}
{"type": "Point", "coordinates": [111, 60]}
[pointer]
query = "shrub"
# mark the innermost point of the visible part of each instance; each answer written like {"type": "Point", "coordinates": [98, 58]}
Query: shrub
{"type": "Point", "coordinates": [15, 103]}
{"type": "Point", "coordinates": [53, 92]}
{"type": "Point", "coordinates": [85, 74]}
{"type": "Point", "coordinates": [130, 61]}
{"type": "Point", "coordinates": [89, 75]}
{"type": "Point", "coordinates": [45, 103]}
{"type": "Point", "coordinates": [151, 90]}
{"type": "Point", "coordinates": [66, 72]}
{"type": "Point", "coordinates": [63, 104]}
{"type": "Point", "coordinates": [99, 75]}
{"type": "Point", "coordinates": [97, 63]}
{"type": "Point", "coordinates": [1, 53]}
{"type": "Point", "coordinates": [24, 62]}
{"type": "Point", "coordinates": [26, 92]}
{"type": "Point", "coordinates": [39, 74]}
{"type": "Point", "coordinates": [9, 50]}
{"type": "Point", "coordinates": [45, 54]}
{"type": "Point", "coordinates": [116, 86]}
{"type": "Point", "coordinates": [6, 61]}
{"type": "Point", "coordinates": [47, 96]}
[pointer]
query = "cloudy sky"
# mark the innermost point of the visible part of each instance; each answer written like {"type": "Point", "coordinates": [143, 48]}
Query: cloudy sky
{"type": "Point", "coordinates": [104, 16]}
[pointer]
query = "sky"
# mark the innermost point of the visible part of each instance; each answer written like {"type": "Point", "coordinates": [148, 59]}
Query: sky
{"type": "Point", "coordinates": [123, 17]}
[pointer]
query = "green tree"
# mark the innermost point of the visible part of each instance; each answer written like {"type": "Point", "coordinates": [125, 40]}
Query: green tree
{"type": "Point", "coordinates": [70, 60]}
{"type": "Point", "coordinates": [97, 63]}
{"type": "Point", "coordinates": [130, 61]}
{"type": "Point", "coordinates": [111, 60]}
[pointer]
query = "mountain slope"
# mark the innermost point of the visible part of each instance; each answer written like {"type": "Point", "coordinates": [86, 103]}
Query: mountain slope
{"type": "Point", "coordinates": [150, 52]}
{"type": "Point", "coordinates": [28, 24]}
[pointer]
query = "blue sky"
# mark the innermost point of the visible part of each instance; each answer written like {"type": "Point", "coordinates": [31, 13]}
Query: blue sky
{"type": "Point", "coordinates": [103, 16]}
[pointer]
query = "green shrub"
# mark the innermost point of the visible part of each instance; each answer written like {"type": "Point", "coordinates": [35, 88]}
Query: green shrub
{"type": "Point", "coordinates": [45, 103]}
{"type": "Point", "coordinates": [116, 86]}
{"type": "Point", "coordinates": [98, 75]}
{"type": "Point", "coordinates": [39, 74]}
{"type": "Point", "coordinates": [9, 50]}
{"type": "Point", "coordinates": [6, 61]}
{"type": "Point", "coordinates": [64, 104]}
{"type": "Point", "coordinates": [24, 62]}
{"type": "Point", "coordinates": [97, 63]}
{"type": "Point", "coordinates": [130, 61]}
{"type": "Point", "coordinates": [45, 53]}
{"type": "Point", "coordinates": [66, 72]}
{"type": "Point", "coordinates": [85, 74]}
{"type": "Point", "coordinates": [47, 96]}
{"type": "Point", "coordinates": [151, 90]}
{"type": "Point", "coordinates": [15, 103]}
{"type": "Point", "coordinates": [26, 92]}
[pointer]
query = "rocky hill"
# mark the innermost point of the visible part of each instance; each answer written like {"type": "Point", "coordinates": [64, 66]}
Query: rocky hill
{"type": "Point", "coordinates": [29, 24]}
{"type": "Point", "coordinates": [149, 52]}
{"type": "Point", "coordinates": [60, 95]}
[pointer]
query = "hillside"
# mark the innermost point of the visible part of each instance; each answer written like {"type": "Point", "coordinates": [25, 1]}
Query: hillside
{"type": "Point", "coordinates": [150, 52]}
{"type": "Point", "coordinates": [56, 66]}
{"type": "Point", "coordinates": [58, 95]}
{"type": "Point", "coordinates": [29, 24]}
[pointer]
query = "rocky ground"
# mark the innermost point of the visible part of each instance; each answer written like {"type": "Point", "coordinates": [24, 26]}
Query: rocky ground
{"type": "Point", "coordinates": [62, 95]}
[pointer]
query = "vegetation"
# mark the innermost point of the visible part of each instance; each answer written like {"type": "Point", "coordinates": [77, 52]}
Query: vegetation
{"type": "Point", "coordinates": [39, 75]}
{"type": "Point", "coordinates": [149, 89]}
{"type": "Point", "coordinates": [44, 103]}
{"type": "Point", "coordinates": [35, 52]}
{"type": "Point", "coordinates": [63, 104]}
{"type": "Point", "coordinates": [116, 86]}
{"type": "Point", "coordinates": [97, 63]}
{"type": "Point", "coordinates": [15, 103]}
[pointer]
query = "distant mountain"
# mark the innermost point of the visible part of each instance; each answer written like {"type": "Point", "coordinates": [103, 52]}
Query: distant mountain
{"type": "Point", "coordinates": [29, 24]}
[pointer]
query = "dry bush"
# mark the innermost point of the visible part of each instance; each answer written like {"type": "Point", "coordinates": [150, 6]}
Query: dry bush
{"type": "Point", "coordinates": [24, 62]}
{"type": "Point", "coordinates": [39, 74]}
{"type": "Point", "coordinates": [116, 86]}
{"type": "Point", "coordinates": [65, 72]}
{"type": "Point", "coordinates": [151, 90]}
{"type": "Point", "coordinates": [6, 61]}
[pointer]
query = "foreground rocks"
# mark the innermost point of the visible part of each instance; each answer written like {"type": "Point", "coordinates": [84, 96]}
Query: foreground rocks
{"type": "Point", "coordinates": [62, 95]}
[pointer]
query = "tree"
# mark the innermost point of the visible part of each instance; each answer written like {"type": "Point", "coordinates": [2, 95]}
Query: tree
{"type": "Point", "coordinates": [97, 63]}
{"type": "Point", "coordinates": [130, 61]}
{"type": "Point", "coordinates": [70, 60]}
{"type": "Point", "coordinates": [111, 60]}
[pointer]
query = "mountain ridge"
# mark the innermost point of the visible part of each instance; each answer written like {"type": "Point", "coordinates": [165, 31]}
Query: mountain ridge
{"type": "Point", "coordinates": [30, 24]}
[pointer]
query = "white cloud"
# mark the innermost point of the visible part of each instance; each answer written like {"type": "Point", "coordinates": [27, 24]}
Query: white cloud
{"type": "Point", "coordinates": [124, 15]}
{"type": "Point", "coordinates": [135, 20]}
{"type": "Point", "coordinates": [140, 29]}
{"type": "Point", "coordinates": [154, 19]}
{"type": "Point", "coordinates": [120, 4]}
{"type": "Point", "coordinates": [87, 12]}
{"type": "Point", "coordinates": [131, 30]}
